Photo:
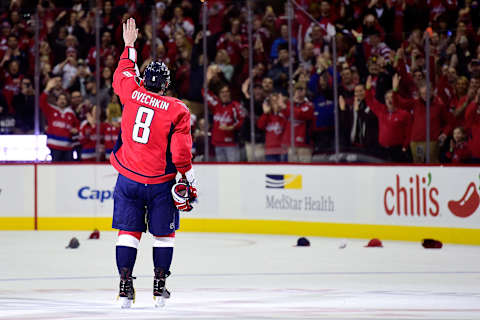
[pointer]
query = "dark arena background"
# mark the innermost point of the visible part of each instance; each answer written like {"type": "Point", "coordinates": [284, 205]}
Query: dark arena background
{"type": "Point", "coordinates": [336, 146]}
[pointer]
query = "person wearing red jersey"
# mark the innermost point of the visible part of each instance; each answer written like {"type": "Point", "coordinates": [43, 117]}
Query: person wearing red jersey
{"type": "Point", "coordinates": [62, 123]}
{"type": "Point", "coordinates": [459, 151]}
{"type": "Point", "coordinates": [154, 145]}
{"type": "Point", "coordinates": [111, 127]}
{"type": "Point", "coordinates": [394, 125]}
{"type": "Point", "coordinates": [228, 117]}
{"type": "Point", "coordinates": [462, 95]}
{"type": "Point", "coordinates": [88, 137]}
{"type": "Point", "coordinates": [440, 122]}
{"type": "Point", "coordinates": [472, 123]}
{"type": "Point", "coordinates": [302, 118]}
{"type": "Point", "coordinates": [274, 123]}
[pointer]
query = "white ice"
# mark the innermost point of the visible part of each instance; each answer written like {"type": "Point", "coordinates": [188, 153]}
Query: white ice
{"type": "Point", "coordinates": [239, 276]}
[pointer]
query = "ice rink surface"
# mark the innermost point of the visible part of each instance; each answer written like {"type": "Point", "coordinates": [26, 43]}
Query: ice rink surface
{"type": "Point", "coordinates": [239, 276]}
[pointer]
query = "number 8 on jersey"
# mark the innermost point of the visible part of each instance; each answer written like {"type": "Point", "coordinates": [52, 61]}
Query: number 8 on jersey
{"type": "Point", "coordinates": [145, 125]}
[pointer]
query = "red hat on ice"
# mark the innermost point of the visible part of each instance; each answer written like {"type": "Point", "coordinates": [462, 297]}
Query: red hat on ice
{"type": "Point", "coordinates": [374, 243]}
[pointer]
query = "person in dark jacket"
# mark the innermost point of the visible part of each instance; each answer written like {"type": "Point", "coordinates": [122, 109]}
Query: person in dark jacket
{"type": "Point", "coordinates": [358, 124]}
{"type": "Point", "coordinates": [24, 105]}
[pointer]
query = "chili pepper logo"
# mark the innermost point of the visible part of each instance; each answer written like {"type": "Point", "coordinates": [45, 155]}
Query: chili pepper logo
{"type": "Point", "coordinates": [468, 204]}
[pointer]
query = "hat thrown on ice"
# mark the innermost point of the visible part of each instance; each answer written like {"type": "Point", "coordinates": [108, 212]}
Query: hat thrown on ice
{"type": "Point", "coordinates": [303, 242]}
{"type": "Point", "coordinates": [73, 244]}
{"type": "Point", "coordinates": [375, 243]}
{"type": "Point", "coordinates": [432, 244]}
{"type": "Point", "coordinates": [95, 234]}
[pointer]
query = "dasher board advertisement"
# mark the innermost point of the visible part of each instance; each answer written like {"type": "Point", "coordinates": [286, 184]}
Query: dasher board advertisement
{"type": "Point", "coordinates": [412, 196]}
{"type": "Point", "coordinates": [76, 190]}
{"type": "Point", "coordinates": [17, 191]}
{"type": "Point", "coordinates": [377, 195]}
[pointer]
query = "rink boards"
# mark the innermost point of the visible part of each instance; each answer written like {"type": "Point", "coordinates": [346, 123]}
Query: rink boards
{"type": "Point", "coordinates": [355, 201]}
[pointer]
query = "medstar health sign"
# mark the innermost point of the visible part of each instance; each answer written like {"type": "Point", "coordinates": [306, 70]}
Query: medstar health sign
{"type": "Point", "coordinates": [291, 200]}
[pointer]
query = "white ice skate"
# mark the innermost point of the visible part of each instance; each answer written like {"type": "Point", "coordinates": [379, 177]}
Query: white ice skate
{"type": "Point", "coordinates": [125, 303]}
{"type": "Point", "coordinates": [126, 293]}
{"type": "Point", "coordinates": [160, 293]}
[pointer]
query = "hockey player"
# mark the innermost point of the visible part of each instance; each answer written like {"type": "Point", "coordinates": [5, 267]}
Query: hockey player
{"type": "Point", "coordinates": [155, 143]}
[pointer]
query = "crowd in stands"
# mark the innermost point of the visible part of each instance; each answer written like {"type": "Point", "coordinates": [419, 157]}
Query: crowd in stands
{"type": "Point", "coordinates": [382, 61]}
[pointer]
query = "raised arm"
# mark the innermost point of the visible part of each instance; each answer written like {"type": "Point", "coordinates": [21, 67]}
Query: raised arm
{"type": "Point", "coordinates": [472, 114]}
{"type": "Point", "coordinates": [398, 100]}
{"type": "Point", "coordinates": [264, 118]}
{"type": "Point", "coordinates": [448, 121]}
{"type": "Point", "coordinates": [44, 105]}
{"type": "Point", "coordinates": [125, 76]}
{"type": "Point", "coordinates": [377, 107]}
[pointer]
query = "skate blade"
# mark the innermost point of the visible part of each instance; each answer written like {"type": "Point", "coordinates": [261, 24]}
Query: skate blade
{"type": "Point", "coordinates": [159, 301]}
{"type": "Point", "coordinates": [125, 303]}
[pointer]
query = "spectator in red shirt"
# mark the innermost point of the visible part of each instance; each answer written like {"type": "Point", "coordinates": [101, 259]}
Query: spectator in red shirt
{"type": "Point", "coordinates": [273, 122]}
{"type": "Point", "coordinates": [110, 129]}
{"type": "Point", "coordinates": [448, 85]}
{"type": "Point", "coordinates": [228, 118]}
{"type": "Point", "coordinates": [472, 123]}
{"type": "Point", "coordinates": [88, 136]}
{"type": "Point", "coordinates": [440, 122]}
{"type": "Point", "coordinates": [106, 48]}
{"type": "Point", "coordinates": [232, 41]}
{"type": "Point", "coordinates": [462, 97]}
{"type": "Point", "coordinates": [302, 121]}
{"type": "Point", "coordinates": [179, 48]}
{"type": "Point", "coordinates": [11, 83]}
{"type": "Point", "coordinates": [7, 122]}
{"type": "Point", "coordinates": [459, 151]}
{"type": "Point", "coordinates": [62, 123]}
{"type": "Point", "coordinates": [394, 125]}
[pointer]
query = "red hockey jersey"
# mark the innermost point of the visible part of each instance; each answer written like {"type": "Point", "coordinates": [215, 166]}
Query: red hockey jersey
{"type": "Point", "coordinates": [441, 121]}
{"type": "Point", "coordinates": [155, 137]}
{"type": "Point", "coordinates": [230, 114]}
{"type": "Point", "coordinates": [302, 118]}
{"type": "Point", "coordinates": [274, 126]}
{"type": "Point", "coordinates": [60, 123]}
{"type": "Point", "coordinates": [88, 140]}
{"type": "Point", "coordinates": [472, 122]}
{"type": "Point", "coordinates": [110, 133]}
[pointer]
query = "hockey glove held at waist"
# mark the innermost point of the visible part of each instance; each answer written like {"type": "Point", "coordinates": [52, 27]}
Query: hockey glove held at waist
{"type": "Point", "coordinates": [184, 195]}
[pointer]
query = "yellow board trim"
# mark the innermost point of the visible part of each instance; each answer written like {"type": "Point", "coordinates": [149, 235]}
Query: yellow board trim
{"type": "Point", "coordinates": [299, 228]}
{"type": "Point", "coordinates": [335, 230]}
{"type": "Point", "coordinates": [51, 223]}
{"type": "Point", "coordinates": [17, 223]}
